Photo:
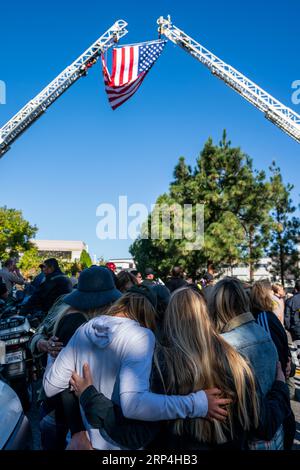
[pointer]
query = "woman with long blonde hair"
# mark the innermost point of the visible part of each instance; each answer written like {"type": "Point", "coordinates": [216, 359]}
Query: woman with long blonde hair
{"type": "Point", "coordinates": [192, 357]}
{"type": "Point", "coordinates": [119, 348]}
{"type": "Point", "coordinates": [196, 357]}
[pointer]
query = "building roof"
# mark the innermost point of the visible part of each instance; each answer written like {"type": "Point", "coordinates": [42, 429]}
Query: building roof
{"type": "Point", "coordinates": [129, 260]}
{"type": "Point", "coordinates": [59, 245]}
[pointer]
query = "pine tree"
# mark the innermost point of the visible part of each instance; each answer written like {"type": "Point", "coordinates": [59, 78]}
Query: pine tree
{"type": "Point", "coordinates": [237, 202]}
{"type": "Point", "coordinates": [85, 260]}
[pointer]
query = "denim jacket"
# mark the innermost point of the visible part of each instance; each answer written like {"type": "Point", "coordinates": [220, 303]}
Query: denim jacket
{"type": "Point", "coordinates": [252, 342]}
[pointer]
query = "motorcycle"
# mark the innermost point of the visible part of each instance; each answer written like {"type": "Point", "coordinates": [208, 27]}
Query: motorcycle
{"type": "Point", "coordinates": [17, 365]}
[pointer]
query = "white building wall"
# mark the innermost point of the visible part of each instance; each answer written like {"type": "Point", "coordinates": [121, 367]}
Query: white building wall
{"type": "Point", "coordinates": [73, 247]}
{"type": "Point", "coordinates": [75, 255]}
{"type": "Point", "coordinates": [243, 272]}
{"type": "Point", "coordinates": [123, 263]}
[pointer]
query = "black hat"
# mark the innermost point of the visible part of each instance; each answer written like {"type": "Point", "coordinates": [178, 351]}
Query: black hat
{"type": "Point", "coordinates": [149, 271]}
{"type": "Point", "coordinates": [95, 289]}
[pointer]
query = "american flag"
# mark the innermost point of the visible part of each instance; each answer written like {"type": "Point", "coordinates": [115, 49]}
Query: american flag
{"type": "Point", "coordinates": [130, 64]}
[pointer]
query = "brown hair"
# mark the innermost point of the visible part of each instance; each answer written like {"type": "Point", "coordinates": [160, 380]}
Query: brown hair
{"type": "Point", "coordinates": [125, 280]}
{"type": "Point", "coordinates": [278, 289]}
{"type": "Point", "coordinates": [260, 297]}
{"type": "Point", "coordinates": [137, 307]}
{"type": "Point", "coordinates": [228, 300]}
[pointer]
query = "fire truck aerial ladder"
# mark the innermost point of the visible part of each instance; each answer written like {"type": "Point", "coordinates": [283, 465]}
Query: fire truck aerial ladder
{"type": "Point", "coordinates": [284, 117]}
{"type": "Point", "coordinates": [38, 105]}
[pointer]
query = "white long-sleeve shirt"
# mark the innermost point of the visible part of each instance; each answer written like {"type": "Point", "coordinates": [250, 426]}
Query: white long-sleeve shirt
{"type": "Point", "coordinates": [119, 352]}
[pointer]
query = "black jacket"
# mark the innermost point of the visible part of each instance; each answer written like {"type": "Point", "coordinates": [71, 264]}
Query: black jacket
{"type": "Point", "coordinates": [292, 316]}
{"type": "Point", "coordinates": [175, 283]}
{"type": "Point", "coordinates": [277, 333]}
{"type": "Point", "coordinates": [103, 413]}
{"type": "Point", "coordinates": [55, 285]}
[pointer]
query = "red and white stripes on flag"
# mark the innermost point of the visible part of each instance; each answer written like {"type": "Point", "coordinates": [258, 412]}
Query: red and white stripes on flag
{"type": "Point", "coordinates": [117, 95]}
{"type": "Point", "coordinates": [125, 65]}
{"type": "Point", "coordinates": [130, 65]}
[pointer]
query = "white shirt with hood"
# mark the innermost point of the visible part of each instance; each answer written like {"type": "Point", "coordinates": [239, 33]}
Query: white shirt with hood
{"type": "Point", "coordinates": [119, 352]}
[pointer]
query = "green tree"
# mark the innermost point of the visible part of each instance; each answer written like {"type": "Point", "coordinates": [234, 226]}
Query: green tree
{"type": "Point", "coordinates": [286, 233]}
{"type": "Point", "coordinates": [237, 202]}
{"type": "Point", "coordinates": [85, 260]}
{"type": "Point", "coordinates": [30, 261]}
{"type": "Point", "coordinates": [15, 233]}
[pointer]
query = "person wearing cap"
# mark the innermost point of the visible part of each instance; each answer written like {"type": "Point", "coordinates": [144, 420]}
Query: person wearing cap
{"type": "Point", "coordinates": [110, 265]}
{"type": "Point", "coordinates": [56, 284]}
{"type": "Point", "coordinates": [112, 269]}
{"type": "Point", "coordinates": [176, 281]}
{"type": "Point", "coordinates": [149, 277]}
{"type": "Point", "coordinates": [95, 293]}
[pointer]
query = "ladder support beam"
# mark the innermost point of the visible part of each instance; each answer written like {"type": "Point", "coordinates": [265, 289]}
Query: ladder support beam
{"type": "Point", "coordinates": [285, 118]}
{"type": "Point", "coordinates": [38, 105]}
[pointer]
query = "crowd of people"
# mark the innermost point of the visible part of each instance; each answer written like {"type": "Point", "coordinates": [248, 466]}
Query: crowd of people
{"type": "Point", "coordinates": [132, 362]}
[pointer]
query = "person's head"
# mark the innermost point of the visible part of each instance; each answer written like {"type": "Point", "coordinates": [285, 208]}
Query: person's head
{"type": "Point", "coordinates": [138, 275]}
{"type": "Point", "coordinates": [74, 273]}
{"type": "Point", "coordinates": [149, 274]}
{"type": "Point", "coordinates": [211, 269]}
{"type": "Point", "coordinates": [138, 304]}
{"type": "Point", "coordinates": [197, 358]}
{"type": "Point", "coordinates": [228, 299]}
{"type": "Point", "coordinates": [163, 296]}
{"type": "Point", "coordinates": [110, 265]}
{"type": "Point", "coordinates": [261, 297]}
{"type": "Point", "coordinates": [278, 290]}
{"type": "Point", "coordinates": [208, 279]}
{"type": "Point", "coordinates": [125, 280]}
{"type": "Point", "coordinates": [10, 264]}
{"type": "Point", "coordinates": [95, 289]}
{"type": "Point", "coordinates": [297, 285]}
{"type": "Point", "coordinates": [50, 265]}
{"type": "Point", "coordinates": [177, 272]}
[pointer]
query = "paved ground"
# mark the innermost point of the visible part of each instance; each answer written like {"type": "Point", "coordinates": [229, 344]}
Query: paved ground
{"type": "Point", "coordinates": [34, 416]}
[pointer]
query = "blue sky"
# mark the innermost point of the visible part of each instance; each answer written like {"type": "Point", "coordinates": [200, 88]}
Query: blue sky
{"type": "Point", "coordinates": [81, 154]}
